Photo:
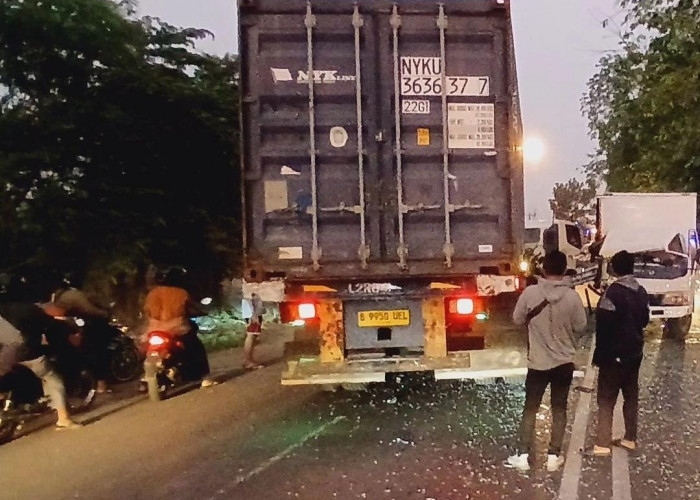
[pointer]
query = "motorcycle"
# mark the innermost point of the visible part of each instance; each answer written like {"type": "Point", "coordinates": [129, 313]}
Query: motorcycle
{"type": "Point", "coordinates": [22, 397]}
{"type": "Point", "coordinates": [124, 355]}
{"type": "Point", "coordinates": [109, 350]}
{"type": "Point", "coordinates": [170, 362]}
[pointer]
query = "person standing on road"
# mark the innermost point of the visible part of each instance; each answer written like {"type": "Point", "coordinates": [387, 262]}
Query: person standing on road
{"type": "Point", "coordinates": [621, 316]}
{"type": "Point", "coordinates": [258, 308]}
{"type": "Point", "coordinates": [253, 332]}
{"type": "Point", "coordinates": [251, 340]}
{"type": "Point", "coordinates": [554, 315]}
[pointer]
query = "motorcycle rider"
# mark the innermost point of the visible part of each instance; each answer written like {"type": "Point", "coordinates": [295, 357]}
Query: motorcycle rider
{"type": "Point", "coordinates": [75, 303]}
{"type": "Point", "coordinates": [23, 328]}
{"type": "Point", "coordinates": [168, 308]}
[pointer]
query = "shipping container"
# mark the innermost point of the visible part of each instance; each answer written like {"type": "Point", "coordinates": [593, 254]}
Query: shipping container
{"type": "Point", "coordinates": [383, 182]}
{"type": "Point", "coordinates": [380, 139]}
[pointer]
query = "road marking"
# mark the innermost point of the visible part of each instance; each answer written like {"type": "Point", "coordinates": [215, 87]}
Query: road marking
{"type": "Point", "coordinates": [273, 460]}
{"type": "Point", "coordinates": [574, 455]}
{"type": "Point", "coordinates": [621, 486]}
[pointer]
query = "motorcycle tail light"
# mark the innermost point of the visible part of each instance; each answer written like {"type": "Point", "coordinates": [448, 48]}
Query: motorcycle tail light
{"type": "Point", "coordinates": [156, 341]}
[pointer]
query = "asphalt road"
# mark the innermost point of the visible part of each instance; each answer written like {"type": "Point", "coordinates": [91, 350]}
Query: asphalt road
{"type": "Point", "coordinates": [249, 438]}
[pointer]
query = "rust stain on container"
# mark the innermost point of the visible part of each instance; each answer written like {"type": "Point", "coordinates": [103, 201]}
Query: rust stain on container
{"type": "Point", "coordinates": [331, 331]}
{"type": "Point", "coordinates": [434, 324]}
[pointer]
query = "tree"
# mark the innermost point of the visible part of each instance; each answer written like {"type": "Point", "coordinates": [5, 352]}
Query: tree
{"type": "Point", "coordinates": [643, 105]}
{"type": "Point", "coordinates": [573, 200]}
{"type": "Point", "coordinates": [118, 142]}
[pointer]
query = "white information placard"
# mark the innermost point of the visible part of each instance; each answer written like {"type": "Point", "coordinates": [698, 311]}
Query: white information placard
{"type": "Point", "coordinates": [471, 126]}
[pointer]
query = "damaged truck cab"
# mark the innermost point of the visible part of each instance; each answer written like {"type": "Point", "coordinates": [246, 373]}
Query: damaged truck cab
{"type": "Point", "coordinates": [659, 229]}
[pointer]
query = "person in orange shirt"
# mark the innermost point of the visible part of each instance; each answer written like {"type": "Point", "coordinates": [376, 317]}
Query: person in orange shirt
{"type": "Point", "coordinates": [168, 308]}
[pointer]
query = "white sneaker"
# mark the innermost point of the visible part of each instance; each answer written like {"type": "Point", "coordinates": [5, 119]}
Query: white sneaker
{"type": "Point", "coordinates": [520, 462]}
{"type": "Point", "coordinates": [554, 462]}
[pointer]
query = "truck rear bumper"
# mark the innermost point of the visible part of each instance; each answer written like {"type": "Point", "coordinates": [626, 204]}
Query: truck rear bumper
{"type": "Point", "coordinates": [665, 312]}
{"type": "Point", "coordinates": [485, 364]}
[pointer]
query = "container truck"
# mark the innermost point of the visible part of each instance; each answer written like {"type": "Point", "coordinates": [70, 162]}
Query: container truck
{"type": "Point", "coordinates": [383, 183]}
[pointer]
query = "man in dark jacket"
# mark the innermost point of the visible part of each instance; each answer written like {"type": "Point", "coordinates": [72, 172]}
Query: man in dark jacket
{"type": "Point", "coordinates": [622, 314]}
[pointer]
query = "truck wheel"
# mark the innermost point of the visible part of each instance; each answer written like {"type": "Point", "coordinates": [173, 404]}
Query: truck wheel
{"type": "Point", "coordinates": [678, 328]}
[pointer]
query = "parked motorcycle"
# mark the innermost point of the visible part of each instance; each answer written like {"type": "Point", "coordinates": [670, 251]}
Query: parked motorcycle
{"type": "Point", "coordinates": [22, 397]}
{"type": "Point", "coordinates": [124, 358]}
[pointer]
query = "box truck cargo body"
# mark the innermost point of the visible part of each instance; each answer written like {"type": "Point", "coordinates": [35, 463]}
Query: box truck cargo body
{"type": "Point", "coordinates": [659, 229]}
{"type": "Point", "coordinates": [383, 180]}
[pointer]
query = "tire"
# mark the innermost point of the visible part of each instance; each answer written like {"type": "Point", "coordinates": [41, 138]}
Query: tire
{"type": "Point", "coordinates": [678, 328]}
{"type": "Point", "coordinates": [7, 430]}
{"type": "Point", "coordinates": [125, 363]}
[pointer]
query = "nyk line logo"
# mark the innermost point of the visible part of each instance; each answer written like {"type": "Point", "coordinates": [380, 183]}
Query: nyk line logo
{"type": "Point", "coordinates": [320, 76]}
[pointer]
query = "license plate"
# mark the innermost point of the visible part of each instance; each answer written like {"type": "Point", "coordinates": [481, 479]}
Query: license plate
{"type": "Point", "coordinates": [368, 319]}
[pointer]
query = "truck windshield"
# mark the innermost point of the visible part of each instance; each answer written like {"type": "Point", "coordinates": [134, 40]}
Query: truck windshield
{"type": "Point", "coordinates": [660, 265]}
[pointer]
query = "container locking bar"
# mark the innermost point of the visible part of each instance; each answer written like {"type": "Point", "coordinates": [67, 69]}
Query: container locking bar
{"type": "Point", "coordinates": [402, 250]}
{"type": "Point", "coordinates": [364, 250]}
{"type": "Point", "coordinates": [310, 23]}
{"type": "Point", "coordinates": [449, 247]}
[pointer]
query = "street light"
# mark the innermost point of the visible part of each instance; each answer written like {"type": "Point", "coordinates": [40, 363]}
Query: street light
{"type": "Point", "coordinates": [533, 150]}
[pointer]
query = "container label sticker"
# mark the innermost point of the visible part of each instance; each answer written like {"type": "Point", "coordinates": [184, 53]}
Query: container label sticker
{"type": "Point", "coordinates": [276, 196]}
{"type": "Point", "coordinates": [415, 107]}
{"type": "Point", "coordinates": [423, 137]}
{"type": "Point", "coordinates": [281, 75]}
{"type": "Point", "coordinates": [289, 253]}
{"type": "Point", "coordinates": [421, 76]}
{"type": "Point", "coordinates": [470, 126]}
{"type": "Point", "coordinates": [485, 248]}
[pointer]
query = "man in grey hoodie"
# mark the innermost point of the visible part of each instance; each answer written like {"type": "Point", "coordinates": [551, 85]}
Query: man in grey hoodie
{"type": "Point", "coordinates": [554, 316]}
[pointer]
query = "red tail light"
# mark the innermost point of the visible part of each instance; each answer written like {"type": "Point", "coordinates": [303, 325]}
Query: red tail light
{"type": "Point", "coordinates": [156, 340]}
{"type": "Point", "coordinates": [298, 312]}
{"type": "Point", "coordinates": [307, 311]}
{"type": "Point", "coordinates": [461, 307]}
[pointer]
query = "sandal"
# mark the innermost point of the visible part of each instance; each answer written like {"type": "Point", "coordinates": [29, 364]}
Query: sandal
{"type": "Point", "coordinates": [601, 452]}
{"type": "Point", "coordinates": [625, 444]}
{"type": "Point", "coordinates": [68, 425]}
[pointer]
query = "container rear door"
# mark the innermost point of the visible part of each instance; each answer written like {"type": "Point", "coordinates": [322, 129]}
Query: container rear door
{"type": "Point", "coordinates": [378, 140]}
{"type": "Point", "coordinates": [448, 102]}
{"type": "Point", "coordinates": [306, 160]}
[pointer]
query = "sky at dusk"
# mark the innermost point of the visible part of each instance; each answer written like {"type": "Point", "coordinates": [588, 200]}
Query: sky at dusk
{"type": "Point", "coordinates": [558, 43]}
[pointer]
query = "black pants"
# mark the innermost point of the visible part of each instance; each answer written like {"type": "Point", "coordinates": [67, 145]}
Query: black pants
{"type": "Point", "coordinates": [197, 362]}
{"type": "Point", "coordinates": [535, 384]}
{"type": "Point", "coordinates": [613, 378]}
{"type": "Point", "coordinates": [97, 336]}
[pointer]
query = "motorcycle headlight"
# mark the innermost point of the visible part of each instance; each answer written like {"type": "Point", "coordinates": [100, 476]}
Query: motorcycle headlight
{"type": "Point", "coordinates": [676, 299]}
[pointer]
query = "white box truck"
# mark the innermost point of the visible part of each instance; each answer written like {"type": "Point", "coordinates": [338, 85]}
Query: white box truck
{"type": "Point", "coordinates": [660, 230]}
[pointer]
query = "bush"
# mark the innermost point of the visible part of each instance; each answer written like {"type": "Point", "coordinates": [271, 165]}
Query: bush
{"type": "Point", "coordinates": [221, 330]}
